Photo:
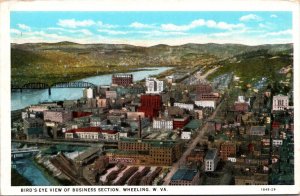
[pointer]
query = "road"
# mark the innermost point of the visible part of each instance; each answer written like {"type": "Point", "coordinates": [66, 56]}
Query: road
{"type": "Point", "coordinates": [182, 159]}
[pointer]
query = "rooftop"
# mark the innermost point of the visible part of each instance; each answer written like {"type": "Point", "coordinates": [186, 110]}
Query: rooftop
{"type": "Point", "coordinates": [92, 129]}
{"type": "Point", "coordinates": [211, 153]}
{"type": "Point", "coordinates": [184, 174]}
{"type": "Point", "coordinates": [194, 124]}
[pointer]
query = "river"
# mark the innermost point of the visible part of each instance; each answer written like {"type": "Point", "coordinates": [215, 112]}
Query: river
{"type": "Point", "coordinates": [29, 170]}
{"type": "Point", "coordinates": [29, 97]}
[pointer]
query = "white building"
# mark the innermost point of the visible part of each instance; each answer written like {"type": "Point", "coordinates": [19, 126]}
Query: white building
{"type": "Point", "coordinates": [211, 160]}
{"type": "Point", "coordinates": [186, 106]}
{"type": "Point", "coordinates": [277, 142]}
{"type": "Point", "coordinates": [206, 103]}
{"type": "Point", "coordinates": [280, 102]}
{"type": "Point", "coordinates": [186, 135]}
{"type": "Point", "coordinates": [154, 86]}
{"type": "Point", "coordinates": [92, 133]}
{"type": "Point", "coordinates": [88, 93]}
{"type": "Point", "coordinates": [163, 123]}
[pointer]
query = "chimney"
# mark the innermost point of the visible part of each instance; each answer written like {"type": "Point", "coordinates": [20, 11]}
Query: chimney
{"type": "Point", "coordinates": [140, 128]}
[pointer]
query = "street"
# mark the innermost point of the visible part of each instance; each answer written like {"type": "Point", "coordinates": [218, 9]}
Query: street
{"type": "Point", "coordinates": [198, 138]}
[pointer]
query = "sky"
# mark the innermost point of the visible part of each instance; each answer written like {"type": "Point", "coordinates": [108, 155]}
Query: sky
{"type": "Point", "coordinates": [151, 28]}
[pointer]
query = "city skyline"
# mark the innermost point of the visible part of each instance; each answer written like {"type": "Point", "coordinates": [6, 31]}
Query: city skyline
{"type": "Point", "coordinates": [152, 28]}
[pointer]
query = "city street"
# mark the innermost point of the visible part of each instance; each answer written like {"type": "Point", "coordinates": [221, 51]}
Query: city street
{"type": "Point", "coordinates": [198, 138]}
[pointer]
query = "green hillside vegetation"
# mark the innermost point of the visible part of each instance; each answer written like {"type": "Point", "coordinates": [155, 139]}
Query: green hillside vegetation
{"type": "Point", "coordinates": [253, 66]}
{"type": "Point", "coordinates": [67, 61]}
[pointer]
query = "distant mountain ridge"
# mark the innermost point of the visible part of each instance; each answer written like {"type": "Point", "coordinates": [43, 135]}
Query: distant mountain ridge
{"type": "Point", "coordinates": [51, 61]}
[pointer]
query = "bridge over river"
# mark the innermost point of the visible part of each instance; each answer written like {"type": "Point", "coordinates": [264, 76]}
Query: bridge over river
{"type": "Point", "coordinates": [77, 84]}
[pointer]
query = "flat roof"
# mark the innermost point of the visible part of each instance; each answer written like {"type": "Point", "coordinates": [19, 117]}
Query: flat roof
{"type": "Point", "coordinates": [211, 153]}
{"type": "Point", "coordinates": [184, 174]}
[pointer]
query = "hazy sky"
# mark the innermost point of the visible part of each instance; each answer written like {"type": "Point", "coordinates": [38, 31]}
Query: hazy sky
{"type": "Point", "coordinates": [150, 28]}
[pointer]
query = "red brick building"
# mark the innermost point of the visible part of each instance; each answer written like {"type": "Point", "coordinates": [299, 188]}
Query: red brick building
{"type": "Point", "coordinates": [122, 79]}
{"type": "Point", "coordinates": [227, 149]}
{"type": "Point", "coordinates": [150, 105]}
{"type": "Point", "coordinates": [203, 88]}
{"type": "Point", "coordinates": [180, 122]}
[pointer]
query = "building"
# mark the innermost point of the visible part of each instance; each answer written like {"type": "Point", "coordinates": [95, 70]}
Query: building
{"type": "Point", "coordinates": [255, 179]}
{"type": "Point", "coordinates": [101, 102]}
{"type": "Point", "coordinates": [33, 127]}
{"type": "Point", "coordinates": [180, 122]}
{"type": "Point", "coordinates": [211, 160]}
{"type": "Point", "coordinates": [257, 130]}
{"type": "Point", "coordinates": [111, 94]}
{"type": "Point", "coordinates": [241, 107]}
{"type": "Point", "coordinates": [203, 89]}
{"type": "Point", "coordinates": [280, 102]}
{"type": "Point", "coordinates": [207, 100]}
{"type": "Point", "coordinates": [198, 114]}
{"type": "Point", "coordinates": [135, 115]}
{"type": "Point", "coordinates": [122, 79]}
{"type": "Point", "coordinates": [186, 135]}
{"type": "Point", "coordinates": [150, 105]}
{"type": "Point", "coordinates": [185, 177]}
{"type": "Point", "coordinates": [227, 149]}
{"type": "Point", "coordinates": [187, 106]}
{"type": "Point", "coordinates": [92, 133]}
{"type": "Point", "coordinates": [154, 86]}
{"type": "Point", "coordinates": [58, 116]}
{"type": "Point", "coordinates": [88, 93]}
{"type": "Point", "coordinates": [163, 123]}
{"type": "Point", "coordinates": [145, 152]}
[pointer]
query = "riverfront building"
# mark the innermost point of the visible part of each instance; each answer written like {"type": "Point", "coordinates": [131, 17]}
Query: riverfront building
{"type": "Point", "coordinates": [122, 79]}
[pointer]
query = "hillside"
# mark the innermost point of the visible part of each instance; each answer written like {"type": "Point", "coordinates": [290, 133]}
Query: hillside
{"type": "Point", "coordinates": [65, 61]}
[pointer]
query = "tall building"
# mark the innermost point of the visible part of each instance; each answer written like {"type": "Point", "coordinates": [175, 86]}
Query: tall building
{"type": "Point", "coordinates": [150, 105]}
{"type": "Point", "coordinates": [33, 127]}
{"type": "Point", "coordinates": [163, 123]}
{"type": "Point", "coordinates": [203, 88]}
{"type": "Point", "coordinates": [122, 79]}
{"type": "Point", "coordinates": [145, 152]}
{"type": "Point", "coordinates": [211, 160]}
{"type": "Point", "coordinates": [59, 116]}
{"type": "Point", "coordinates": [154, 86]}
{"type": "Point", "coordinates": [227, 149]}
{"type": "Point", "coordinates": [280, 102]}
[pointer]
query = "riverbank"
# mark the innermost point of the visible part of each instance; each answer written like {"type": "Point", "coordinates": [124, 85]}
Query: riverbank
{"type": "Point", "coordinates": [55, 181]}
{"type": "Point", "coordinates": [18, 180]}
{"type": "Point", "coordinates": [50, 79]}
{"type": "Point", "coordinates": [30, 97]}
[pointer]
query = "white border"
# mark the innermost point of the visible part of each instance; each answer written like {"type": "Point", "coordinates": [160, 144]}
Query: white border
{"type": "Point", "coordinates": [140, 5]}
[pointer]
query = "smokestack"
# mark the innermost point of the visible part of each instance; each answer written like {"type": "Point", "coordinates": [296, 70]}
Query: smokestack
{"type": "Point", "coordinates": [140, 128]}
